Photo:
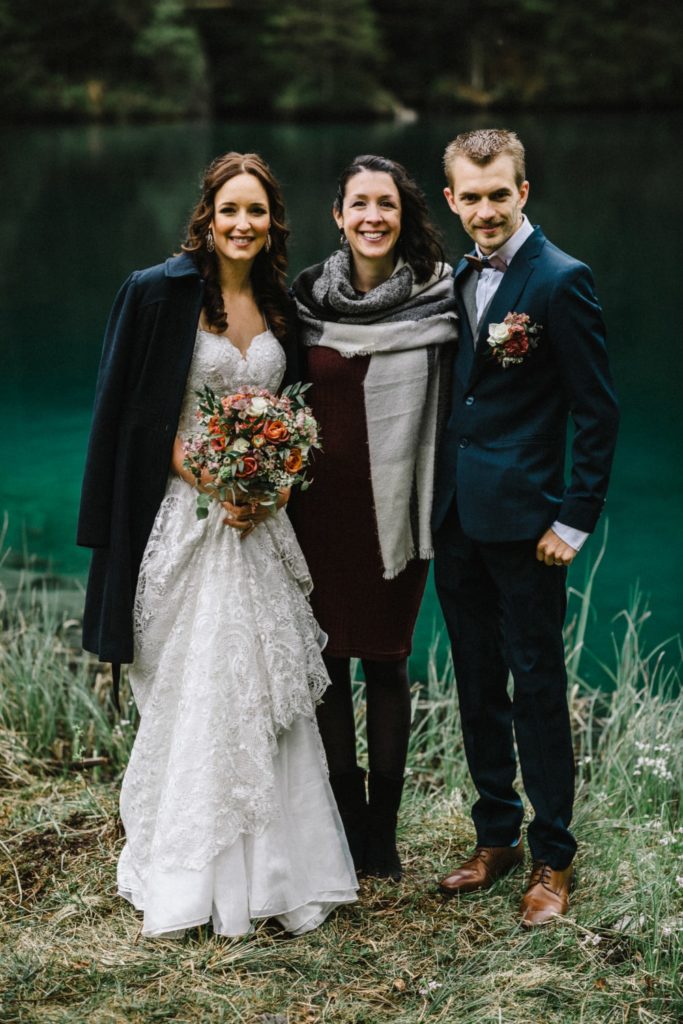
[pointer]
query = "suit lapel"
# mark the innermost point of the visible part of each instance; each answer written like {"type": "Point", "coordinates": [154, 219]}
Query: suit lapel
{"type": "Point", "coordinates": [469, 297]}
{"type": "Point", "coordinates": [504, 301]}
{"type": "Point", "coordinates": [462, 277]}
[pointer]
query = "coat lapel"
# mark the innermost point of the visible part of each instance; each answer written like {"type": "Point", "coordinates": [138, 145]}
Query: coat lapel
{"type": "Point", "coordinates": [504, 301]}
{"type": "Point", "coordinates": [182, 265]}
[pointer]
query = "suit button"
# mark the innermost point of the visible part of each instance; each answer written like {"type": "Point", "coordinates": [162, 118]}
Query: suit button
{"type": "Point", "coordinates": [469, 400]}
{"type": "Point", "coordinates": [464, 441]}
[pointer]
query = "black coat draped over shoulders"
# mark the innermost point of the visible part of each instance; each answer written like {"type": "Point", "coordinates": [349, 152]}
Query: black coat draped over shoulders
{"type": "Point", "coordinates": [146, 356]}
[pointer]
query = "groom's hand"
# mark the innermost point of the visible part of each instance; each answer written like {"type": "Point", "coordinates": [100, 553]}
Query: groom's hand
{"type": "Point", "coordinates": [552, 550]}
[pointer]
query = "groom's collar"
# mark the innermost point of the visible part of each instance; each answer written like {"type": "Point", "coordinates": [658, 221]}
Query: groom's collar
{"type": "Point", "coordinates": [515, 242]}
{"type": "Point", "coordinates": [529, 246]}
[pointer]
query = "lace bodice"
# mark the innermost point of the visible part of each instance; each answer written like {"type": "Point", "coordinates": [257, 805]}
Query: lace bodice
{"type": "Point", "coordinates": [220, 364]}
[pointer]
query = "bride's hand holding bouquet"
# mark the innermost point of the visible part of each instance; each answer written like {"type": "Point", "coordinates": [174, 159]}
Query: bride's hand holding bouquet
{"type": "Point", "coordinates": [251, 448]}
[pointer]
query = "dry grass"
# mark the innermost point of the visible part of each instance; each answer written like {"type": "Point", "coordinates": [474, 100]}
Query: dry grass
{"type": "Point", "coordinates": [72, 950]}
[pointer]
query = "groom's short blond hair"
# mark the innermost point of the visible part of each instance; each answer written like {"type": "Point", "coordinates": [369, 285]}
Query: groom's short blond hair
{"type": "Point", "coordinates": [484, 145]}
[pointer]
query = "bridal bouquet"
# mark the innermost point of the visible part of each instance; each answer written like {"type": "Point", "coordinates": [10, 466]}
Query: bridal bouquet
{"type": "Point", "coordinates": [252, 443]}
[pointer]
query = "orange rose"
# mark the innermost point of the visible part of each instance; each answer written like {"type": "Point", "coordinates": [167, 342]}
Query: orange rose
{"type": "Point", "coordinates": [214, 426]}
{"type": "Point", "coordinates": [218, 443]}
{"type": "Point", "coordinates": [294, 462]}
{"type": "Point", "coordinates": [249, 467]}
{"type": "Point", "coordinates": [276, 432]}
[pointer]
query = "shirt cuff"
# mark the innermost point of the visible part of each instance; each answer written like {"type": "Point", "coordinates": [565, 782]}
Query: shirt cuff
{"type": "Point", "coordinates": [575, 538]}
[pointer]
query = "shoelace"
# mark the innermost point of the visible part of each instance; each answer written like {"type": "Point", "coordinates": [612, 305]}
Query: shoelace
{"type": "Point", "coordinates": [541, 874]}
{"type": "Point", "coordinates": [479, 854]}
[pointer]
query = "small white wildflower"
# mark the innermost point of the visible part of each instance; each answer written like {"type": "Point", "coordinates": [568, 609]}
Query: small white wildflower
{"type": "Point", "coordinates": [657, 765]}
{"type": "Point", "coordinates": [596, 940]}
{"type": "Point", "coordinates": [431, 986]}
{"type": "Point", "coordinates": [666, 931]}
{"type": "Point", "coordinates": [679, 880]}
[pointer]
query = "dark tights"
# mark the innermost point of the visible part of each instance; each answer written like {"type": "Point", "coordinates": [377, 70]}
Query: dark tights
{"type": "Point", "coordinates": [387, 693]}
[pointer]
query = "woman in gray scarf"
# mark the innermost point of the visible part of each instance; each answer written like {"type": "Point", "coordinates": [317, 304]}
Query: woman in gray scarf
{"type": "Point", "coordinates": [377, 322]}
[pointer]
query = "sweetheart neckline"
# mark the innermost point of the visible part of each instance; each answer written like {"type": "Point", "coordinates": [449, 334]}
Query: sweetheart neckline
{"type": "Point", "coordinates": [224, 337]}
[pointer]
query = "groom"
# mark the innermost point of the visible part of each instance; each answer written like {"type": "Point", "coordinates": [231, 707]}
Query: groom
{"type": "Point", "coordinates": [531, 355]}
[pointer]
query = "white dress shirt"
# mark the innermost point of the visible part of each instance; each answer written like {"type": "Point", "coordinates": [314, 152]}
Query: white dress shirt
{"type": "Point", "coordinates": [487, 286]}
{"type": "Point", "coordinates": [489, 279]}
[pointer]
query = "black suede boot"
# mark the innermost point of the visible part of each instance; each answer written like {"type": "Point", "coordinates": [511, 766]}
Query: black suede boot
{"type": "Point", "coordinates": [349, 792]}
{"type": "Point", "coordinates": [381, 855]}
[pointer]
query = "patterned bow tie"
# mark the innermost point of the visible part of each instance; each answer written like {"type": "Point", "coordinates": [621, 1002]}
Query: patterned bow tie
{"type": "Point", "coordinates": [486, 263]}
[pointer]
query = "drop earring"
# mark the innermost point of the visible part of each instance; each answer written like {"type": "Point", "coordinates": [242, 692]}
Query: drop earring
{"type": "Point", "coordinates": [210, 244]}
{"type": "Point", "coordinates": [269, 242]}
{"type": "Point", "coordinates": [342, 238]}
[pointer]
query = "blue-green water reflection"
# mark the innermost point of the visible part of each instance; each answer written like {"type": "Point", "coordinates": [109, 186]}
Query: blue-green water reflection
{"type": "Point", "coordinates": [81, 207]}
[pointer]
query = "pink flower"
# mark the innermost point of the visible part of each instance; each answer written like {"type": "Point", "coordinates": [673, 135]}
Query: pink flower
{"type": "Point", "coordinates": [512, 340]}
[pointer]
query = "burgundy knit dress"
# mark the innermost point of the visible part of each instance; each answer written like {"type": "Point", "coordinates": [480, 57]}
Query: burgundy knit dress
{"type": "Point", "coordinates": [364, 615]}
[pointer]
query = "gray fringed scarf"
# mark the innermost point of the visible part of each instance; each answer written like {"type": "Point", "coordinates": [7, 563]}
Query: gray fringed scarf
{"type": "Point", "coordinates": [402, 326]}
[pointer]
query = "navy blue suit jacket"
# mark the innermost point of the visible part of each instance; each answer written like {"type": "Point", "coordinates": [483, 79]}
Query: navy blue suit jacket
{"type": "Point", "coordinates": [502, 455]}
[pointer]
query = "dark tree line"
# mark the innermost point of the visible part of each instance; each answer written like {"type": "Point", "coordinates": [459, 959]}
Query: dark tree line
{"type": "Point", "coordinates": [100, 59]}
{"type": "Point", "coordinates": [127, 59]}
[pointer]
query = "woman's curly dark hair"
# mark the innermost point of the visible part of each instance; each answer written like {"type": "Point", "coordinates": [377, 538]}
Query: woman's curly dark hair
{"type": "Point", "coordinates": [268, 275]}
{"type": "Point", "coordinates": [419, 243]}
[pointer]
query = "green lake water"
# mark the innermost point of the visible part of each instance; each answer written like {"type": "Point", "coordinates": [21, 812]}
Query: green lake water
{"type": "Point", "coordinates": [81, 207]}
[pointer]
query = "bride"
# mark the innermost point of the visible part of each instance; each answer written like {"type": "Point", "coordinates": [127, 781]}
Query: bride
{"type": "Point", "coordinates": [226, 804]}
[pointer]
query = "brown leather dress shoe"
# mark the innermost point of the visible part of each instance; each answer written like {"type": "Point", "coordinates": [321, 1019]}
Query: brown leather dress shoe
{"type": "Point", "coordinates": [547, 894]}
{"type": "Point", "coordinates": [484, 867]}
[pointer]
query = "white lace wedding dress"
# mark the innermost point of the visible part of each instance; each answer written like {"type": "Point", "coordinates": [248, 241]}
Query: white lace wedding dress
{"type": "Point", "coordinates": [226, 804]}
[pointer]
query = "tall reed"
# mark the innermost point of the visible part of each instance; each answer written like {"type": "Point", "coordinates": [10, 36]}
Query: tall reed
{"type": "Point", "coordinates": [54, 697]}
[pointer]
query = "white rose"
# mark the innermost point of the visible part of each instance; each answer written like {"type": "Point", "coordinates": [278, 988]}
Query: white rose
{"type": "Point", "coordinates": [257, 406]}
{"type": "Point", "coordinates": [498, 333]}
{"type": "Point", "coordinates": [240, 445]}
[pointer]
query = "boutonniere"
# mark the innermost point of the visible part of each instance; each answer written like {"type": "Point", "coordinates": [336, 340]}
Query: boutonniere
{"type": "Point", "coordinates": [512, 340]}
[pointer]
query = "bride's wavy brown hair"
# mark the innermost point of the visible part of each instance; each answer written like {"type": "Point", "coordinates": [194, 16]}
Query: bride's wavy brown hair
{"type": "Point", "coordinates": [268, 274]}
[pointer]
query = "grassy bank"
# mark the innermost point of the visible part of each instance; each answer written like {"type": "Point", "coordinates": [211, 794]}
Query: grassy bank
{"type": "Point", "coordinates": [70, 949]}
